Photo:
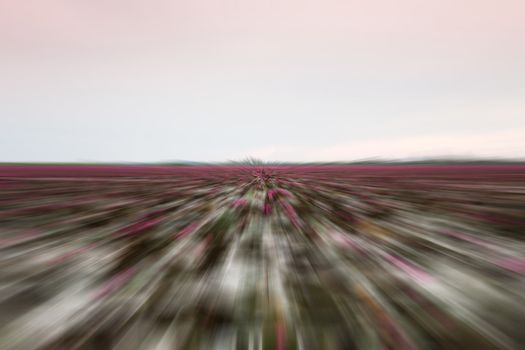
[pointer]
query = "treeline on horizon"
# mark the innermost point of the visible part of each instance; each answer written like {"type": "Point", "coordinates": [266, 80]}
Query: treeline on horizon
{"type": "Point", "coordinates": [258, 162]}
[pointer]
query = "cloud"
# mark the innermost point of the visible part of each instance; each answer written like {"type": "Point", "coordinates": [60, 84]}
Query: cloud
{"type": "Point", "coordinates": [505, 144]}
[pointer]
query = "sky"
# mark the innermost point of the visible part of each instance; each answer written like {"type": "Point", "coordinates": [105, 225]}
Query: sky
{"type": "Point", "coordinates": [279, 80]}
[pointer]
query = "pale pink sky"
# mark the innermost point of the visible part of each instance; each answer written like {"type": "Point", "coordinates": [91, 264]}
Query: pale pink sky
{"type": "Point", "coordinates": [148, 80]}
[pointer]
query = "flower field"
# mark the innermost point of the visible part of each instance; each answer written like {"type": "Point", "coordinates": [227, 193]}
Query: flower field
{"type": "Point", "coordinates": [262, 257]}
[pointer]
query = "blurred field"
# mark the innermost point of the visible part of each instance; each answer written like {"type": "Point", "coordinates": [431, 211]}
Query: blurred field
{"type": "Point", "coordinates": [262, 257]}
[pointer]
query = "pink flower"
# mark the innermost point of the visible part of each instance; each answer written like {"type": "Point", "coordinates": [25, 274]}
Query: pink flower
{"type": "Point", "coordinates": [280, 336]}
{"type": "Point", "coordinates": [186, 231]}
{"type": "Point", "coordinates": [277, 191]}
{"type": "Point", "coordinates": [115, 283]}
{"type": "Point", "coordinates": [240, 202]}
{"type": "Point", "coordinates": [290, 213]}
{"type": "Point", "coordinates": [139, 227]}
{"type": "Point", "coordinates": [267, 209]}
{"type": "Point", "coordinates": [513, 264]}
{"type": "Point", "coordinates": [410, 269]}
